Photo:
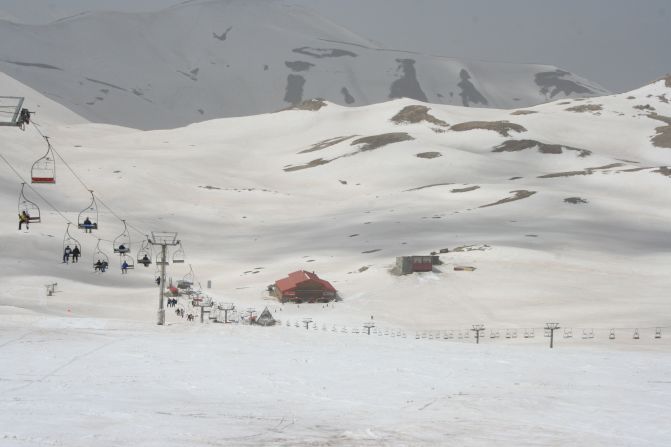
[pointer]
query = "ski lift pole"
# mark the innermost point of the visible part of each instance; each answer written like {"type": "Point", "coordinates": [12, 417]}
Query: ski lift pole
{"type": "Point", "coordinates": [161, 309]}
{"type": "Point", "coordinates": [163, 239]}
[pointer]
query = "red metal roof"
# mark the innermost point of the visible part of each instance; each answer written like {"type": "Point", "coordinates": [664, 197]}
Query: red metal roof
{"type": "Point", "coordinates": [289, 283]}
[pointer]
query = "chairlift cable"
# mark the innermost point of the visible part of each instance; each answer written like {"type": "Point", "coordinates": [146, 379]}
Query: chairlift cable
{"type": "Point", "coordinates": [36, 126]}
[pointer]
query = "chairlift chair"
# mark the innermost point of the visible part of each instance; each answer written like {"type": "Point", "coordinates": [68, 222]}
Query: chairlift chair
{"type": "Point", "coordinates": [178, 255]}
{"type": "Point", "coordinates": [636, 336]}
{"type": "Point", "coordinates": [144, 255]}
{"type": "Point", "coordinates": [658, 332]}
{"type": "Point", "coordinates": [122, 242]}
{"type": "Point", "coordinates": [187, 281]}
{"type": "Point", "coordinates": [44, 169]}
{"type": "Point", "coordinates": [100, 259]}
{"type": "Point", "coordinates": [128, 260]}
{"type": "Point", "coordinates": [88, 218]}
{"type": "Point", "coordinates": [611, 336]}
{"type": "Point", "coordinates": [30, 208]}
{"type": "Point", "coordinates": [69, 241]}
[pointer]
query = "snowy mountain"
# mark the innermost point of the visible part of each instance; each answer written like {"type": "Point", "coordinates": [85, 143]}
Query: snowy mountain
{"type": "Point", "coordinates": [562, 209]}
{"type": "Point", "coordinates": [209, 59]}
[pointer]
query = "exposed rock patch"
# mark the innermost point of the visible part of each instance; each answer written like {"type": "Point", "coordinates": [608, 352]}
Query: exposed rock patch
{"type": "Point", "coordinates": [416, 114]}
{"type": "Point", "coordinates": [320, 53]}
{"type": "Point", "coordinates": [349, 99]}
{"type": "Point", "coordinates": [575, 200]}
{"type": "Point", "coordinates": [502, 127]}
{"type": "Point", "coordinates": [468, 189]}
{"type": "Point", "coordinates": [468, 91]}
{"type": "Point", "coordinates": [223, 36]}
{"type": "Point", "coordinates": [428, 186]}
{"type": "Point", "coordinates": [664, 170]}
{"type": "Point", "coordinates": [311, 105]}
{"type": "Point", "coordinates": [663, 136]}
{"type": "Point", "coordinates": [326, 143]}
{"type": "Point", "coordinates": [407, 86]}
{"type": "Point", "coordinates": [543, 148]}
{"type": "Point", "coordinates": [587, 171]}
{"type": "Point", "coordinates": [367, 144]}
{"type": "Point", "coordinates": [33, 64]}
{"type": "Point", "coordinates": [294, 89]}
{"type": "Point", "coordinates": [523, 112]}
{"type": "Point", "coordinates": [519, 195]}
{"type": "Point", "coordinates": [376, 141]}
{"type": "Point", "coordinates": [297, 66]}
{"type": "Point", "coordinates": [586, 108]}
{"type": "Point", "coordinates": [428, 155]}
{"type": "Point", "coordinates": [553, 83]}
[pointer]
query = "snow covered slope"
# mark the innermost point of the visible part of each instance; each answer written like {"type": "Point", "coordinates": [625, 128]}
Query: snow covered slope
{"type": "Point", "coordinates": [208, 59]}
{"type": "Point", "coordinates": [342, 191]}
{"type": "Point", "coordinates": [566, 202]}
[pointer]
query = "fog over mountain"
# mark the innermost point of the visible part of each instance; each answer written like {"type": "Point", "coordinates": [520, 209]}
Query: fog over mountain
{"type": "Point", "coordinates": [211, 59]}
{"type": "Point", "coordinates": [618, 44]}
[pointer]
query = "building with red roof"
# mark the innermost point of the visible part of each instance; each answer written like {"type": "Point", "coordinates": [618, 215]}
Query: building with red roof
{"type": "Point", "coordinates": [302, 286]}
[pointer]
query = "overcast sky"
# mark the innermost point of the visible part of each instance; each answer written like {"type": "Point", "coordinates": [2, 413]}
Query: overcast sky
{"type": "Point", "coordinates": [621, 44]}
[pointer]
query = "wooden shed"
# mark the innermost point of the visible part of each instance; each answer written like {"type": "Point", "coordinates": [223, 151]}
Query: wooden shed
{"type": "Point", "coordinates": [302, 286]}
{"type": "Point", "coordinates": [406, 265]}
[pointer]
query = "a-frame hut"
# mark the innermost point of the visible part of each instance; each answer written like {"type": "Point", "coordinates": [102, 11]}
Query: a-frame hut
{"type": "Point", "coordinates": [265, 319]}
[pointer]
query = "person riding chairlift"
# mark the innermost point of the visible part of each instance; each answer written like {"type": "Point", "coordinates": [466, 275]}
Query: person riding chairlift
{"type": "Point", "coordinates": [24, 218]}
{"type": "Point", "coordinates": [75, 254]}
{"type": "Point", "coordinates": [66, 254]}
{"type": "Point", "coordinates": [124, 266]}
{"type": "Point", "coordinates": [88, 225]}
{"type": "Point", "coordinates": [145, 260]}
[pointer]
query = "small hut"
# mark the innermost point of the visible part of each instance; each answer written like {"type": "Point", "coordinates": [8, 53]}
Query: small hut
{"type": "Point", "coordinates": [265, 319]}
{"type": "Point", "coordinates": [406, 265]}
{"type": "Point", "coordinates": [302, 286]}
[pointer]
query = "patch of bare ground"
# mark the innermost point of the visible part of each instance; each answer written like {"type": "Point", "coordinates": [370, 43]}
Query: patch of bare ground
{"type": "Point", "coordinates": [523, 112]}
{"type": "Point", "coordinates": [428, 186]}
{"type": "Point", "coordinates": [376, 141]}
{"type": "Point", "coordinates": [326, 143]}
{"type": "Point", "coordinates": [519, 195]}
{"type": "Point", "coordinates": [586, 108]}
{"type": "Point", "coordinates": [667, 80]}
{"type": "Point", "coordinates": [631, 97]}
{"type": "Point", "coordinates": [663, 137]}
{"type": "Point", "coordinates": [416, 114]}
{"type": "Point", "coordinates": [470, 188]}
{"type": "Point", "coordinates": [502, 127]}
{"type": "Point", "coordinates": [663, 98]}
{"type": "Point", "coordinates": [463, 248]}
{"type": "Point", "coordinates": [645, 107]}
{"type": "Point", "coordinates": [311, 105]}
{"type": "Point", "coordinates": [543, 148]}
{"type": "Point", "coordinates": [587, 171]}
{"type": "Point", "coordinates": [311, 164]}
{"type": "Point", "coordinates": [664, 170]}
{"type": "Point", "coordinates": [368, 144]}
{"type": "Point", "coordinates": [428, 155]}
{"type": "Point", "coordinates": [575, 200]}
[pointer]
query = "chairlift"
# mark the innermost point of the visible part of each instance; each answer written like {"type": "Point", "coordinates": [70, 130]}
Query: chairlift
{"type": "Point", "coordinates": [30, 208]}
{"type": "Point", "coordinates": [88, 218]}
{"type": "Point", "coordinates": [611, 336]}
{"type": "Point", "coordinates": [144, 255]}
{"type": "Point", "coordinates": [568, 333]}
{"type": "Point", "coordinates": [122, 242]}
{"type": "Point", "coordinates": [130, 264]}
{"type": "Point", "coordinates": [69, 241]}
{"type": "Point", "coordinates": [636, 336]}
{"type": "Point", "coordinates": [658, 332]}
{"type": "Point", "coordinates": [178, 255]}
{"type": "Point", "coordinates": [100, 259]}
{"type": "Point", "coordinates": [44, 169]}
{"type": "Point", "coordinates": [187, 281]}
